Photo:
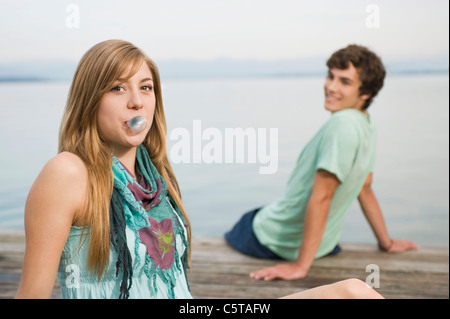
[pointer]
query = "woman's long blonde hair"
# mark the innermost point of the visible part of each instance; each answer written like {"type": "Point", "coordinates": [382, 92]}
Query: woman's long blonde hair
{"type": "Point", "coordinates": [96, 73]}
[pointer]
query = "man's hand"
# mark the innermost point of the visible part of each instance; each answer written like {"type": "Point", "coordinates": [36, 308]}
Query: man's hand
{"type": "Point", "coordinates": [372, 211]}
{"type": "Point", "coordinates": [281, 271]}
{"type": "Point", "coordinates": [399, 245]}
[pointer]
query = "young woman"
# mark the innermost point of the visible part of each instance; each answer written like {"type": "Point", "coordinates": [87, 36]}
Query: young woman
{"type": "Point", "coordinates": [105, 215]}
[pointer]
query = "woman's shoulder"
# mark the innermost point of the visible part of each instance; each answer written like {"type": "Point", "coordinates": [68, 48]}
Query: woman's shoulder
{"type": "Point", "coordinates": [66, 163]}
{"type": "Point", "coordinates": [64, 172]}
{"type": "Point", "coordinates": [59, 192]}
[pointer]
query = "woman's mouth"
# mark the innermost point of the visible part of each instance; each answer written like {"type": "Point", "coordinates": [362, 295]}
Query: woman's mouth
{"type": "Point", "coordinates": [137, 124]}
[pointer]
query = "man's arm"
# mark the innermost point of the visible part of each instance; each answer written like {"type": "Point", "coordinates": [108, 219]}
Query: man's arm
{"type": "Point", "coordinates": [374, 216]}
{"type": "Point", "coordinates": [324, 187]}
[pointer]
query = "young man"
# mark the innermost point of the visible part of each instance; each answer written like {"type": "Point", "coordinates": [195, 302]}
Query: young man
{"type": "Point", "coordinates": [334, 169]}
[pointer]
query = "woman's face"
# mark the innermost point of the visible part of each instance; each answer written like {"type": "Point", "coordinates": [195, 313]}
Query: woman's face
{"type": "Point", "coordinates": [124, 101]}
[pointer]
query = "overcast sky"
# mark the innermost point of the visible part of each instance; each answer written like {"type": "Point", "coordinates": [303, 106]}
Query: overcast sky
{"type": "Point", "coordinates": [211, 29]}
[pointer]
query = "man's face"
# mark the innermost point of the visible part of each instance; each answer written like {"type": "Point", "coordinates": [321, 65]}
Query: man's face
{"type": "Point", "coordinates": [342, 90]}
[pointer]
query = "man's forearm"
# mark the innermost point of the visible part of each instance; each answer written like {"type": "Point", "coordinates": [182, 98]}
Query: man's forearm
{"type": "Point", "coordinates": [324, 187]}
{"type": "Point", "coordinates": [314, 228]}
{"type": "Point", "coordinates": [374, 216]}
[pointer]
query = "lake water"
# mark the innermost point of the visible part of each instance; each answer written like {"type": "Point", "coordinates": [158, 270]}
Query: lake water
{"type": "Point", "coordinates": [412, 165]}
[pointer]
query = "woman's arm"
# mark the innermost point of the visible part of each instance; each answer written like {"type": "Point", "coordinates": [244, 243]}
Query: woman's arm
{"type": "Point", "coordinates": [54, 201]}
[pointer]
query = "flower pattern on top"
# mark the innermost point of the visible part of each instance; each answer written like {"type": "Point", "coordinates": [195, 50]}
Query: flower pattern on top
{"type": "Point", "coordinates": [159, 241]}
{"type": "Point", "coordinates": [133, 201]}
{"type": "Point", "coordinates": [159, 237]}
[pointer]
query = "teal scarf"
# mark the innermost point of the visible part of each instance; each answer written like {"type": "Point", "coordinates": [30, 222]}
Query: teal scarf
{"type": "Point", "coordinates": [147, 209]}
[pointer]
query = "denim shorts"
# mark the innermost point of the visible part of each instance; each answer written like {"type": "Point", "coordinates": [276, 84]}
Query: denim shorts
{"type": "Point", "coordinates": [242, 238]}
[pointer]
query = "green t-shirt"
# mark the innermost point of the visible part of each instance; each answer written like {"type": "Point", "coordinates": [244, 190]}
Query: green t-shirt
{"type": "Point", "coordinates": [344, 146]}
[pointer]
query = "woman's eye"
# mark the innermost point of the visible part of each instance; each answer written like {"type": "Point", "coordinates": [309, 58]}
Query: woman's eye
{"type": "Point", "coordinates": [147, 88]}
{"type": "Point", "coordinates": [117, 88]}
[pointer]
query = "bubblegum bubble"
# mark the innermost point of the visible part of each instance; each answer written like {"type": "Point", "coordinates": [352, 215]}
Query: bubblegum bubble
{"type": "Point", "coordinates": [137, 124]}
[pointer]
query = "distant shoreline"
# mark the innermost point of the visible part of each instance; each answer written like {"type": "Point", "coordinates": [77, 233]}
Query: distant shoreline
{"type": "Point", "coordinates": [12, 79]}
{"type": "Point", "coordinates": [23, 79]}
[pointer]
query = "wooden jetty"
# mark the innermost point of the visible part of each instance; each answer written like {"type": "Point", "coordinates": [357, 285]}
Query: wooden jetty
{"type": "Point", "coordinates": [218, 271]}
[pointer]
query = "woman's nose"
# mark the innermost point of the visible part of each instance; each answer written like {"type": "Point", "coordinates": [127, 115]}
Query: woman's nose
{"type": "Point", "coordinates": [135, 100]}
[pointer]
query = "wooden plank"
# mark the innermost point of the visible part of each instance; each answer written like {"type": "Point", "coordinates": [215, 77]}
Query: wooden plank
{"type": "Point", "coordinates": [415, 274]}
{"type": "Point", "coordinates": [218, 251]}
{"type": "Point", "coordinates": [218, 271]}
